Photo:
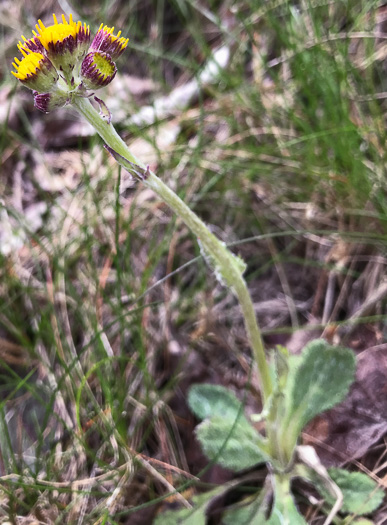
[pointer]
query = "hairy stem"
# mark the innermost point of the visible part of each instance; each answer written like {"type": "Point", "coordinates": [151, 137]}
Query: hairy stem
{"type": "Point", "coordinates": [228, 266]}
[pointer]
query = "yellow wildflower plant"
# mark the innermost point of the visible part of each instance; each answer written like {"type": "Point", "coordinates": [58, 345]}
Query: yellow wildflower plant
{"type": "Point", "coordinates": [59, 63]}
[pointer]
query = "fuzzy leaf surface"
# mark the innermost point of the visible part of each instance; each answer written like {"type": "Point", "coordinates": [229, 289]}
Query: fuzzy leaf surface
{"type": "Point", "coordinates": [234, 444]}
{"type": "Point", "coordinates": [321, 379]}
{"type": "Point", "coordinates": [213, 400]}
{"type": "Point", "coordinates": [361, 493]}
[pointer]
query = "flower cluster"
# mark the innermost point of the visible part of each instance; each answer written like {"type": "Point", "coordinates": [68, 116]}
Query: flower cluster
{"type": "Point", "coordinates": [59, 62]}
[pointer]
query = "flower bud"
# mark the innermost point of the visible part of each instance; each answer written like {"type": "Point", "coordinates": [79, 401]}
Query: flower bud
{"type": "Point", "coordinates": [65, 43]}
{"type": "Point", "coordinates": [104, 41]}
{"type": "Point", "coordinates": [97, 70]}
{"type": "Point", "coordinates": [35, 71]}
{"type": "Point", "coordinates": [46, 102]}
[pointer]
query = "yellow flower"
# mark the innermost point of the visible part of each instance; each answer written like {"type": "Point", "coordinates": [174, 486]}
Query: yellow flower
{"type": "Point", "coordinates": [65, 43]}
{"type": "Point", "coordinates": [58, 64]}
{"type": "Point", "coordinates": [98, 70]}
{"type": "Point", "coordinates": [35, 71]}
{"type": "Point", "coordinates": [109, 43]}
{"type": "Point", "coordinates": [52, 35]}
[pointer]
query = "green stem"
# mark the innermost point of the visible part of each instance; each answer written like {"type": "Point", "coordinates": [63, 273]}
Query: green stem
{"type": "Point", "coordinates": [225, 263]}
{"type": "Point", "coordinates": [282, 486]}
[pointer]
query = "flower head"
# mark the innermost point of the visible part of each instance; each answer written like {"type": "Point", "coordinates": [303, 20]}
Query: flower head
{"type": "Point", "coordinates": [35, 71]}
{"type": "Point", "coordinates": [107, 42]}
{"type": "Point", "coordinates": [65, 43]}
{"type": "Point", "coordinates": [98, 70]}
{"type": "Point", "coordinates": [58, 63]}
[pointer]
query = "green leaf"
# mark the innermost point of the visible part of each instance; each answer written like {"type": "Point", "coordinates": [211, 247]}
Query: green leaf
{"type": "Point", "coordinates": [286, 513]}
{"type": "Point", "coordinates": [281, 358]}
{"type": "Point", "coordinates": [320, 379]}
{"type": "Point", "coordinates": [213, 400]}
{"type": "Point", "coordinates": [284, 510]}
{"type": "Point", "coordinates": [243, 516]}
{"type": "Point", "coordinates": [251, 513]}
{"type": "Point", "coordinates": [253, 509]}
{"type": "Point", "coordinates": [234, 444]}
{"type": "Point", "coordinates": [195, 516]}
{"type": "Point", "coordinates": [361, 494]}
{"type": "Point", "coordinates": [179, 516]}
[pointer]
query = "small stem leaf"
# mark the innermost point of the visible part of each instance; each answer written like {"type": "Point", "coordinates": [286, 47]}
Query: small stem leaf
{"type": "Point", "coordinates": [361, 493]}
{"type": "Point", "coordinates": [213, 400]}
{"type": "Point", "coordinates": [104, 110]}
{"type": "Point", "coordinates": [133, 169]}
{"type": "Point", "coordinates": [321, 379]}
{"type": "Point", "coordinates": [233, 444]}
{"type": "Point", "coordinates": [238, 263]}
{"type": "Point", "coordinates": [281, 361]}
